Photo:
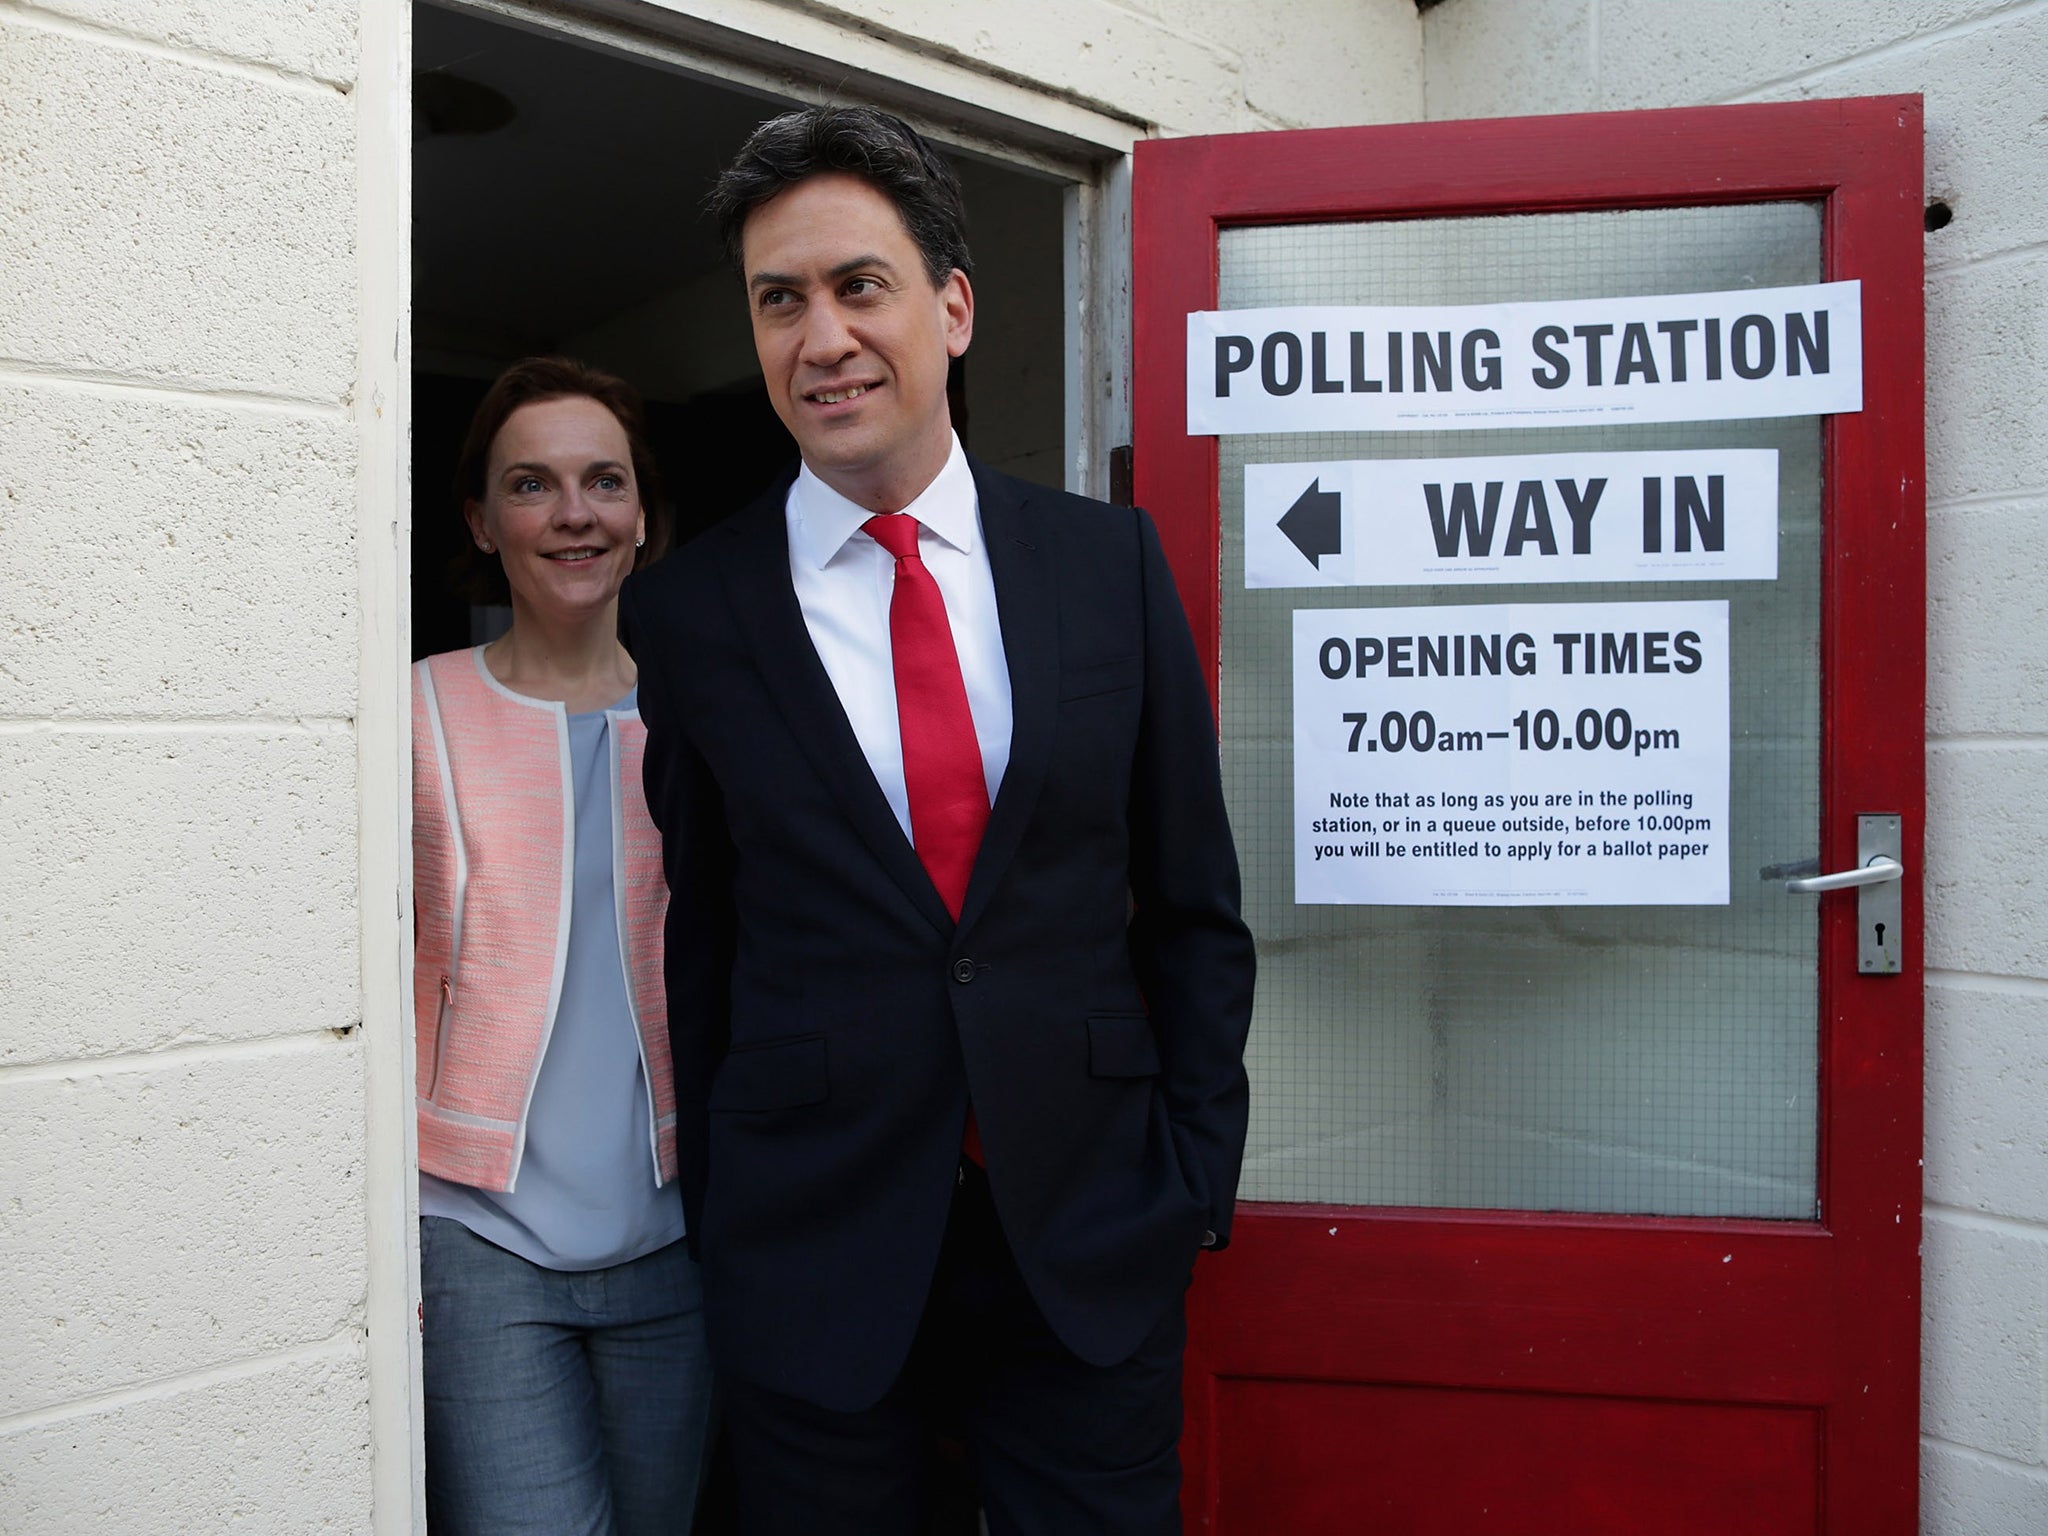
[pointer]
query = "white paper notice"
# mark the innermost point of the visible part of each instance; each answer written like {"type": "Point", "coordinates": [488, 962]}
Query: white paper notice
{"type": "Point", "coordinates": [1707, 514]}
{"type": "Point", "coordinates": [1535, 754]}
{"type": "Point", "coordinates": [1674, 357]}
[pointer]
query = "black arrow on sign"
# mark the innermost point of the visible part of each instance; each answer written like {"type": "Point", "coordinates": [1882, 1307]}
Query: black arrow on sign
{"type": "Point", "coordinates": [1315, 523]}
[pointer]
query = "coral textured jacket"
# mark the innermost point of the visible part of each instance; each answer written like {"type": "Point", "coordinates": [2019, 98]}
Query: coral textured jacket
{"type": "Point", "coordinates": [494, 821]}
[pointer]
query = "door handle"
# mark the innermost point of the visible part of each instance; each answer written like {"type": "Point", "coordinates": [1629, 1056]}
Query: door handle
{"type": "Point", "coordinates": [1876, 872]}
{"type": "Point", "coordinates": [1880, 906]}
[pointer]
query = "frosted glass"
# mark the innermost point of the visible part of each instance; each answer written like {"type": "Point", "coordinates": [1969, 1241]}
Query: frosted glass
{"type": "Point", "coordinates": [1655, 1060]}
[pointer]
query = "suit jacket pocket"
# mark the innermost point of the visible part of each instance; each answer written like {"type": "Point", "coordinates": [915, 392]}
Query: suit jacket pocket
{"type": "Point", "coordinates": [776, 1074]}
{"type": "Point", "coordinates": [1122, 1045]}
{"type": "Point", "coordinates": [1087, 679]}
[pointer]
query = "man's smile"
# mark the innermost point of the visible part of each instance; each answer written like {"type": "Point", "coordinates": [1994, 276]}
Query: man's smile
{"type": "Point", "coordinates": [839, 393]}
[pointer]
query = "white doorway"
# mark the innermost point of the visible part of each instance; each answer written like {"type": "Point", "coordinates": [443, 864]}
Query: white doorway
{"type": "Point", "coordinates": [556, 194]}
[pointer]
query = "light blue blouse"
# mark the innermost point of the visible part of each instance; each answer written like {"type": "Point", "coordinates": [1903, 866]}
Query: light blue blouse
{"type": "Point", "coordinates": [586, 1197]}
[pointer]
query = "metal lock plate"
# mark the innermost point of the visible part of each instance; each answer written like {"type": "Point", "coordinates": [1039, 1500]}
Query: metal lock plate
{"type": "Point", "coordinates": [1879, 908]}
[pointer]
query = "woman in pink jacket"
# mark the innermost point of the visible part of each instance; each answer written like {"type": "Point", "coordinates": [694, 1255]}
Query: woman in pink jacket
{"type": "Point", "coordinates": [567, 1385]}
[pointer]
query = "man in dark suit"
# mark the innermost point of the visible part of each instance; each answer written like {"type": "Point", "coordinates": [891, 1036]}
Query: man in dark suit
{"type": "Point", "coordinates": [958, 988]}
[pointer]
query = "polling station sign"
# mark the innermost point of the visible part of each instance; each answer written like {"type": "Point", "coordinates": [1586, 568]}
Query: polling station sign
{"type": "Point", "coordinates": [1676, 357]}
{"type": "Point", "coordinates": [1513, 754]}
{"type": "Point", "coordinates": [1691, 515]}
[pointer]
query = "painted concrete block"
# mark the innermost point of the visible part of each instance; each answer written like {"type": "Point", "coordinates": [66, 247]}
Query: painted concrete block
{"type": "Point", "coordinates": [1987, 121]}
{"type": "Point", "coordinates": [1508, 58]}
{"type": "Point", "coordinates": [1986, 571]}
{"type": "Point", "coordinates": [315, 38]}
{"type": "Point", "coordinates": [1106, 55]}
{"type": "Point", "coordinates": [1987, 1083]}
{"type": "Point", "coordinates": [170, 1220]}
{"type": "Point", "coordinates": [202, 232]}
{"type": "Point", "coordinates": [1987, 845]}
{"type": "Point", "coordinates": [1987, 99]}
{"type": "Point", "coordinates": [171, 559]}
{"type": "Point", "coordinates": [1656, 54]}
{"type": "Point", "coordinates": [163, 888]}
{"type": "Point", "coordinates": [275, 1452]}
{"type": "Point", "coordinates": [1987, 379]}
{"type": "Point", "coordinates": [1317, 63]}
{"type": "Point", "coordinates": [1984, 1304]}
{"type": "Point", "coordinates": [1967, 1495]}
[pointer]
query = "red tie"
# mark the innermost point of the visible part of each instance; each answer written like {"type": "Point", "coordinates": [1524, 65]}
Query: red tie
{"type": "Point", "coordinates": [942, 772]}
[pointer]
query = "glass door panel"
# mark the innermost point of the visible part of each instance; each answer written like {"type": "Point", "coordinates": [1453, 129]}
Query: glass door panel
{"type": "Point", "coordinates": [1646, 1060]}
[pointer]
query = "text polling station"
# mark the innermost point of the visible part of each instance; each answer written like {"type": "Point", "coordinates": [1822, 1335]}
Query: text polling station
{"type": "Point", "coordinates": [1676, 357]}
{"type": "Point", "coordinates": [1511, 753]}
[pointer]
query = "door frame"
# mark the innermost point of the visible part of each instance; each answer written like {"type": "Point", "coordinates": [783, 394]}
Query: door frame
{"type": "Point", "coordinates": [777, 53]}
{"type": "Point", "coordinates": [780, 54]}
{"type": "Point", "coordinates": [1862, 159]}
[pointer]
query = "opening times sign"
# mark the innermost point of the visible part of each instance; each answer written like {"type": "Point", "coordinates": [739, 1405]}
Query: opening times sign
{"type": "Point", "coordinates": [1535, 754]}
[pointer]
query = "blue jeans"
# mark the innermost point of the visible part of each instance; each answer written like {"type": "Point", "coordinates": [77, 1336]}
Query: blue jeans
{"type": "Point", "coordinates": [561, 1403]}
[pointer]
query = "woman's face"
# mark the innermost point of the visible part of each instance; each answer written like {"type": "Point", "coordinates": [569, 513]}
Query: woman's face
{"type": "Point", "coordinates": [561, 507]}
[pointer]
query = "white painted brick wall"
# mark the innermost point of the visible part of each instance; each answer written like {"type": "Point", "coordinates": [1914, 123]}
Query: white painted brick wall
{"type": "Point", "coordinates": [1969, 1493]}
{"type": "Point", "coordinates": [272, 1450]}
{"type": "Point", "coordinates": [136, 526]}
{"type": "Point", "coordinates": [175, 888]}
{"type": "Point", "coordinates": [1987, 840]}
{"type": "Point", "coordinates": [1188, 66]}
{"type": "Point", "coordinates": [1311, 63]}
{"type": "Point", "coordinates": [1985, 1306]}
{"type": "Point", "coordinates": [1987, 1078]}
{"type": "Point", "coordinates": [1987, 391]}
{"type": "Point", "coordinates": [1979, 64]}
{"type": "Point", "coordinates": [313, 38]}
{"type": "Point", "coordinates": [1987, 572]}
{"type": "Point", "coordinates": [1655, 54]}
{"type": "Point", "coordinates": [166, 220]}
{"type": "Point", "coordinates": [182, 1076]}
{"type": "Point", "coordinates": [201, 1211]}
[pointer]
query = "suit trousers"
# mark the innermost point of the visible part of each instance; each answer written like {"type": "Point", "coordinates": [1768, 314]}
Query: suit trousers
{"type": "Point", "coordinates": [1059, 1447]}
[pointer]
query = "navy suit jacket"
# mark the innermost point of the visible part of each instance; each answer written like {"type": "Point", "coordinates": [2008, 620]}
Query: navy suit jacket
{"type": "Point", "coordinates": [830, 1020]}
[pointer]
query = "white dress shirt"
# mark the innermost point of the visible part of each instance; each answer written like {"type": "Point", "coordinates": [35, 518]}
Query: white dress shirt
{"type": "Point", "coordinates": [844, 581]}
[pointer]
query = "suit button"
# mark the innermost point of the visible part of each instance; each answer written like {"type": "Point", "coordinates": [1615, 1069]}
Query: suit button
{"type": "Point", "coordinates": [963, 971]}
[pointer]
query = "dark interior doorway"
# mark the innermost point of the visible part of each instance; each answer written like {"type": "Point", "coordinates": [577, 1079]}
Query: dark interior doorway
{"type": "Point", "coordinates": [556, 189]}
{"type": "Point", "coordinates": [556, 192]}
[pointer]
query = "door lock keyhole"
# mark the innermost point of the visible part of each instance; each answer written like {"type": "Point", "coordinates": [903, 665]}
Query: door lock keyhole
{"type": "Point", "coordinates": [1880, 935]}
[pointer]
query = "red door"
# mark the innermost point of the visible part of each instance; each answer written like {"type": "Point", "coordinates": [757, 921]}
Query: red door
{"type": "Point", "coordinates": [1572, 1219]}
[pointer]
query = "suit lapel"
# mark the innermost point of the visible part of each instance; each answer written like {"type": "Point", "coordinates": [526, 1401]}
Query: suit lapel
{"type": "Point", "coordinates": [1020, 556]}
{"type": "Point", "coordinates": [755, 565]}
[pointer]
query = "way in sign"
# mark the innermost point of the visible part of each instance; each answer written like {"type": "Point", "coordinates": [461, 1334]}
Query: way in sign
{"type": "Point", "coordinates": [1315, 523]}
{"type": "Point", "coordinates": [1669, 515]}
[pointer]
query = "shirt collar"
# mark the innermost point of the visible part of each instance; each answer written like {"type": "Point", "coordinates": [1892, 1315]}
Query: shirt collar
{"type": "Point", "coordinates": [822, 520]}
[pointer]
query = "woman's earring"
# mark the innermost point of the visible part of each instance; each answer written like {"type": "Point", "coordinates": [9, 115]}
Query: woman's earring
{"type": "Point", "coordinates": [484, 545]}
{"type": "Point", "coordinates": [640, 542]}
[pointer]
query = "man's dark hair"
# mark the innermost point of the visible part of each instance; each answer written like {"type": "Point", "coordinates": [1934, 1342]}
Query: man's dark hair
{"type": "Point", "coordinates": [884, 151]}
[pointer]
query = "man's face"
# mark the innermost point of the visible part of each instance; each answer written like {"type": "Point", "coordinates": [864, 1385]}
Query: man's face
{"type": "Point", "coordinates": [853, 338]}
